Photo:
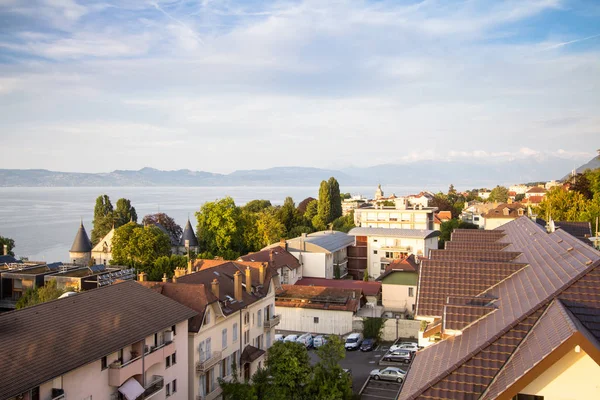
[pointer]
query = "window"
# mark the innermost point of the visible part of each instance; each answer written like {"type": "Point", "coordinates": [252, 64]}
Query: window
{"type": "Point", "coordinates": [234, 333]}
{"type": "Point", "coordinates": [224, 338]}
{"type": "Point", "coordinates": [375, 240]}
{"type": "Point", "coordinates": [224, 367]}
{"type": "Point", "coordinates": [104, 363]}
{"type": "Point", "coordinates": [374, 251]}
{"type": "Point", "coordinates": [168, 361]}
{"type": "Point", "coordinates": [316, 320]}
{"type": "Point", "coordinates": [246, 318]}
{"type": "Point", "coordinates": [121, 355]}
{"type": "Point", "coordinates": [174, 386]}
{"type": "Point", "coordinates": [174, 329]}
{"type": "Point", "coordinates": [207, 317]}
{"type": "Point", "coordinates": [259, 342]}
{"type": "Point", "coordinates": [246, 337]}
{"type": "Point", "coordinates": [252, 319]}
{"type": "Point", "coordinates": [168, 389]}
{"type": "Point", "coordinates": [259, 317]}
{"type": "Point", "coordinates": [411, 292]}
{"type": "Point", "coordinates": [230, 360]}
{"type": "Point", "coordinates": [521, 396]}
{"type": "Point", "coordinates": [174, 358]}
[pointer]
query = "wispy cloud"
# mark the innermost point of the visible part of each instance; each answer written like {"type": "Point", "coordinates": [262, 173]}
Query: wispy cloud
{"type": "Point", "coordinates": [562, 44]}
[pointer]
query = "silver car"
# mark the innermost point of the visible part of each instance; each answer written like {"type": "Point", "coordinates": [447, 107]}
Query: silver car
{"type": "Point", "coordinates": [389, 374]}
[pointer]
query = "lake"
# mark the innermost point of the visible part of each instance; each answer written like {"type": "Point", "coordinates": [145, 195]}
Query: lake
{"type": "Point", "coordinates": [43, 221]}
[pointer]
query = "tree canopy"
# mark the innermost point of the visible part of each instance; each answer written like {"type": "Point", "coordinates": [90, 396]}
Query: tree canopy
{"type": "Point", "coordinates": [139, 246]}
{"type": "Point", "coordinates": [167, 222]}
{"type": "Point", "coordinates": [124, 213]}
{"type": "Point", "coordinates": [103, 218]}
{"type": "Point", "coordinates": [499, 194]}
{"type": "Point", "coordinates": [10, 245]}
{"type": "Point", "coordinates": [40, 295]}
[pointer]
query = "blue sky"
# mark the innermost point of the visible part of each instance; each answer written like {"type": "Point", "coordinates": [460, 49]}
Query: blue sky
{"type": "Point", "coordinates": [226, 85]}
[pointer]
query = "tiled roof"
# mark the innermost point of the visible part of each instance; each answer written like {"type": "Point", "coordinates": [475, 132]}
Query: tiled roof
{"type": "Point", "coordinates": [370, 288]}
{"type": "Point", "coordinates": [318, 297]}
{"type": "Point", "coordinates": [513, 211]}
{"type": "Point", "coordinates": [392, 232]}
{"type": "Point", "coordinates": [280, 258]}
{"type": "Point", "coordinates": [559, 267]}
{"type": "Point", "coordinates": [53, 338]}
{"type": "Point", "coordinates": [536, 189]}
{"type": "Point", "coordinates": [444, 215]}
{"type": "Point", "coordinates": [480, 246]}
{"type": "Point", "coordinates": [473, 255]}
{"type": "Point", "coordinates": [581, 230]}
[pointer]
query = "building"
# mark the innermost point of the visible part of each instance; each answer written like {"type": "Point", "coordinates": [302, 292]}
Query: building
{"type": "Point", "coordinates": [235, 305]}
{"type": "Point", "coordinates": [116, 342]}
{"type": "Point", "coordinates": [399, 286]}
{"type": "Point", "coordinates": [376, 248]}
{"type": "Point", "coordinates": [86, 278]}
{"type": "Point", "coordinates": [352, 203]}
{"type": "Point", "coordinates": [503, 213]}
{"type": "Point", "coordinates": [518, 189]}
{"type": "Point", "coordinates": [322, 254]}
{"type": "Point", "coordinates": [529, 332]}
{"type": "Point", "coordinates": [285, 264]}
{"type": "Point", "coordinates": [317, 309]}
{"type": "Point", "coordinates": [474, 213]}
{"type": "Point", "coordinates": [370, 291]}
{"type": "Point", "coordinates": [535, 191]}
{"type": "Point", "coordinates": [81, 250]}
{"type": "Point", "coordinates": [102, 251]}
{"type": "Point", "coordinates": [399, 217]}
{"type": "Point", "coordinates": [189, 241]}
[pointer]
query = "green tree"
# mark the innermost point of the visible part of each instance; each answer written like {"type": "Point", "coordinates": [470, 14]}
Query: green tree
{"type": "Point", "coordinates": [562, 205]}
{"type": "Point", "coordinates": [140, 246]}
{"type": "Point", "coordinates": [446, 229]}
{"type": "Point", "coordinates": [304, 203]}
{"type": "Point", "coordinates": [345, 223]}
{"type": "Point", "coordinates": [10, 245]}
{"type": "Point", "coordinates": [165, 265]}
{"type": "Point", "coordinates": [219, 228]}
{"type": "Point", "coordinates": [124, 213]}
{"type": "Point", "coordinates": [580, 183]}
{"type": "Point", "coordinates": [499, 194]}
{"type": "Point", "coordinates": [328, 379]}
{"type": "Point", "coordinates": [373, 327]}
{"type": "Point", "coordinates": [324, 212]}
{"type": "Point", "coordinates": [519, 197]}
{"type": "Point", "coordinates": [121, 247]}
{"type": "Point", "coordinates": [103, 218]}
{"type": "Point", "coordinates": [257, 205]}
{"type": "Point", "coordinates": [289, 366]}
{"type": "Point", "coordinates": [336, 199]}
{"type": "Point", "coordinates": [299, 230]}
{"type": "Point", "coordinates": [288, 214]}
{"type": "Point", "coordinates": [167, 222]}
{"type": "Point", "coordinates": [366, 275]}
{"type": "Point", "coordinates": [270, 229]}
{"type": "Point", "coordinates": [40, 295]}
{"type": "Point", "coordinates": [312, 209]}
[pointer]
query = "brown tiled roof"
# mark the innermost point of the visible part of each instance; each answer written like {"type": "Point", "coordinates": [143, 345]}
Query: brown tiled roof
{"type": "Point", "coordinates": [318, 297]}
{"type": "Point", "coordinates": [444, 215]}
{"type": "Point", "coordinates": [581, 230]}
{"type": "Point", "coordinates": [513, 208]}
{"type": "Point", "coordinates": [536, 189]}
{"type": "Point", "coordinates": [440, 279]}
{"type": "Point", "coordinates": [559, 266]}
{"type": "Point", "coordinates": [533, 200]}
{"type": "Point", "coordinates": [478, 235]}
{"type": "Point", "coordinates": [475, 246]}
{"type": "Point", "coordinates": [53, 338]}
{"type": "Point", "coordinates": [281, 258]}
{"type": "Point", "coordinates": [473, 255]}
{"type": "Point", "coordinates": [370, 288]}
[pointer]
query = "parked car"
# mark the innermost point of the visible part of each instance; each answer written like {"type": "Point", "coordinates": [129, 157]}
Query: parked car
{"type": "Point", "coordinates": [389, 374]}
{"type": "Point", "coordinates": [401, 355]}
{"type": "Point", "coordinates": [306, 339]}
{"type": "Point", "coordinates": [278, 338]}
{"type": "Point", "coordinates": [368, 344]}
{"type": "Point", "coordinates": [319, 341]}
{"type": "Point", "coordinates": [290, 338]}
{"type": "Point", "coordinates": [353, 341]}
{"type": "Point", "coordinates": [398, 344]}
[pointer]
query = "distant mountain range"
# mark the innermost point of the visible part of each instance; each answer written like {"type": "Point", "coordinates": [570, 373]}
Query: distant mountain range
{"type": "Point", "coordinates": [468, 174]}
{"type": "Point", "coordinates": [594, 163]}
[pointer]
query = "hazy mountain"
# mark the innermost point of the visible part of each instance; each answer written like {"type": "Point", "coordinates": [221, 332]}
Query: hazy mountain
{"type": "Point", "coordinates": [467, 174]}
{"type": "Point", "coordinates": [592, 164]}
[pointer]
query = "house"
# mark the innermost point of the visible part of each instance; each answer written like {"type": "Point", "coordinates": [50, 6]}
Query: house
{"type": "Point", "coordinates": [529, 332]}
{"type": "Point", "coordinates": [86, 278]}
{"type": "Point", "coordinates": [317, 309]}
{"type": "Point", "coordinates": [400, 216]}
{"type": "Point", "coordinates": [352, 203]}
{"type": "Point", "coordinates": [484, 194]}
{"type": "Point", "coordinates": [376, 248]}
{"type": "Point", "coordinates": [503, 213]}
{"type": "Point", "coordinates": [518, 189]}
{"type": "Point", "coordinates": [371, 290]}
{"type": "Point", "coordinates": [235, 321]}
{"type": "Point", "coordinates": [116, 342]}
{"type": "Point", "coordinates": [102, 251]}
{"type": "Point", "coordinates": [287, 266]}
{"type": "Point", "coordinates": [474, 213]}
{"type": "Point", "coordinates": [536, 191]}
{"type": "Point", "coordinates": [322, 254]}
{"type": "Point", "coordinates": [399, 285]}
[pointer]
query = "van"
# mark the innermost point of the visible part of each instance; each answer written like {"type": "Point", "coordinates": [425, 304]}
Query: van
{"type": "Point", "coordinates": [306, 339]}
{"type": "Point", "coordinates": [353, 341]}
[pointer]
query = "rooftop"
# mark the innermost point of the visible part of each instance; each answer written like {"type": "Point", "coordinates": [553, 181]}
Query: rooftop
{"type": "Point", "coordinates": [278, 255]}
{"type": "Point", "coordinates": [368, 288]}
{"type": "Point", "coordinates": [391, 232]}
{"type": "Point", "coordinates": [318, 297]}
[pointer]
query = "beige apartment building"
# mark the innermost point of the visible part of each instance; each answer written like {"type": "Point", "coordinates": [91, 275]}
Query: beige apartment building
{"type": "Point", "coordinates": [235, 302]}
{"type": "Point", "coordinates": [121, 341]}
{"type": "Point", "coordinates": [399, 217]}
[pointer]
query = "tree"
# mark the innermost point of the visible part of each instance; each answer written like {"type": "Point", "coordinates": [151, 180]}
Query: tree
{"type": "Point", "coordinates": [312, 209]}
{"type": "Point", "coordinates": [139, 246]}
{"type": "Point", "coordinates": [124, 213]}
{"type": "Point", "coordinates": [289, 366]}
{"type": "Point", "coordinates": [336, 199]}
{"type": "Point", "coordinates": [269, 228]}
{"type": "Point", "coordinates": [219, 228]}
{"type": "Point", "coordinates": [366, 275]}
{"type": "Point", "coordinates": [372, 327]}
{"type": "Point", "coordinates": [167, 222]}
{"type": "Point", "coordinates": [165, 265]}
{"type": "Point", "coordinates": [580, 183]}
{"type": "Point", "coordinates": [345, 196]}
{"type": "Point", "coordinates": [562, 205]}
{"type": "Point", "coordinates": [499, 194]}
{"type": "Point", "coordinates": [345, 223]}
{"type": "Point", "coordinates": [40, 295]}
{"type": "Point", "coordinates": [304, 203]}
{"type": "Point", "coordinates": [10, 244]}
{"type": "Point", "coordinates": [329, 380]}
{"type": "Point", "coordinates": [288, 215]}
{"type": "Point", "coordinates": [103, 218]}
{"type": "Point", "coordinates": [257, 205]}
{"type": "Point", "coordinates": [324, 211]}
{"type": "Point", "coordinates": [519, 197]}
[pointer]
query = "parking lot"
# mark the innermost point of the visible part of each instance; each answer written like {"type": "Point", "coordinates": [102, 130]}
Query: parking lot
{"type": "Point", "coordinates": [361, 364]}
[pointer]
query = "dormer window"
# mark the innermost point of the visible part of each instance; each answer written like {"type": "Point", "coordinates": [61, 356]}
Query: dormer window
{"type": "Point", "coordinates": [520, 211]}
{"type": "Point", "coordinates": [506, 211]}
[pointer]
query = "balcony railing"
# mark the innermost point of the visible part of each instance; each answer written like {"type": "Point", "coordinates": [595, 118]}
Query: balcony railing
{"type": "Point", "coordinates": [203, 366]}
{"type": "Point", "coordinates": [156, 383]}
{"type": "Point", "coordinates": [58, 394]}
{"type": "Point", "coordinates": [270, 323]}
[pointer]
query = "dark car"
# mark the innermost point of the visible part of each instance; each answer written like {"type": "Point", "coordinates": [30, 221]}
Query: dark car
{"type": "Point", "coordinates": [368, 345]}
{"type": "Point", "coordinates": [404, 356]}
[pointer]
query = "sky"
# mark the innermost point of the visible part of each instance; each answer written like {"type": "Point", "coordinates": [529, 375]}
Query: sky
{"type": "Point", "coordinates": [227, 85]}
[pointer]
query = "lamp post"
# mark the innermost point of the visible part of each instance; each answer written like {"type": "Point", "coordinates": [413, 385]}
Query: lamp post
{"type": "Point", "coordinates": [397, 319]}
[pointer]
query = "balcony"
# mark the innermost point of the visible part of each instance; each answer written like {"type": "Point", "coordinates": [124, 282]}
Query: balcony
{"type": "Point", "coordinates": [273, 322]}
{"type": "Point", "coordinates": [58, 394]}
{"type": "Point", "coordinates": [155, 385]}
{"type": "Point", "coordinates": [203, 366]}
{"type": "Point", "coordinates": [119, 373]}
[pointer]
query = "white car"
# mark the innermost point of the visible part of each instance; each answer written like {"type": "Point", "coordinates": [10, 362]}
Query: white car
{"type": "Point", "coordinates": [353, 341]}
{"type": "Point", "coordinates": [405, 346]}
{"type": "Point", "coordinates": [306, 339]}
{"type": "Point", "coordinates": [278, 338]}
{"type": "Point", "coordinates": [389, 374]}
{"type": "Point", "coordinates": [290, 338]}
{"type": "Point", "coordinates": [319, 341]}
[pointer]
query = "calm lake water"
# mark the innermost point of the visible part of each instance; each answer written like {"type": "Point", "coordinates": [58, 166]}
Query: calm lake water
{"type": "Point", "coordinates": [43, 221]}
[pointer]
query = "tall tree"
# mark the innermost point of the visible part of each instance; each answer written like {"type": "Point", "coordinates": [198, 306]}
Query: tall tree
{"type": "Point", "coordinates": [103, 218]}
{"type": "Point", "coordinates": [257, 205]}
{"type": "Point", "coordinates": [329, 380]}
{"type": "Point", "coordinates": [562, 205]}
{"type": "Point", "coordinates": [124, 213]}
{"type": "Point", "coordinates": [10, 245]}
{"type": "Point", "coordinates": [167, 222]}
{"type": "Point", "coordinates": [499, 194]}
{"type": "Point", "coordinates": [288, 215]}
{"type": "Point", "coordinates": [580, 183]}
{"type": "Point", "coordinates": [219, 228]}
{"type": "Point", "coordinates": [325, 212]}
{"type": "Point", "coordinates": [336, 198]}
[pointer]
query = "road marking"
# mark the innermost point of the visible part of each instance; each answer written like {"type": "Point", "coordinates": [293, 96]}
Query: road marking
{"type": "Point", "coordinates": [377, 355]}
{"type": "Point", "coordinates": [371, 362]}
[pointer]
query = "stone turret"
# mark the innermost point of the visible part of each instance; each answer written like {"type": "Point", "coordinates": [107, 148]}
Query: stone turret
{"type": "Point", "coordinates": [188, 239]}
{"type": "Point", "coordinates": [81, 250]}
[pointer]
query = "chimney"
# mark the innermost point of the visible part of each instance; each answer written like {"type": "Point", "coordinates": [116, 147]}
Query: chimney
{"type": "Point", "coordinates": [237, 285]}
{"type": "Point", "coordinates": [261, 273]}
{"type": "Point", "coordinates": [215, 287]}
{"type": "Point", "coordinates": [5, 250]}
{"type": "Point", "coordinates": [142, 277]}
{"type": "Point", "coordinates": [283, 244]}
{"type": "Point", "coordinates": [174, 279]}
{"type": "Point", "coordinates": [189, 267]}
{"type": "Point", "coordinates": [248, 281]}
{"type": "Point", "coordinates": [271, 255]}
{"type": "Point", "coordinates": [164, 278]}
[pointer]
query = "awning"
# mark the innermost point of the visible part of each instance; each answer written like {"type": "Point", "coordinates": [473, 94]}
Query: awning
{"type": "Point", "coordinates": [251, 354]}
{"type": "Point", "coordinates": [131, 389]}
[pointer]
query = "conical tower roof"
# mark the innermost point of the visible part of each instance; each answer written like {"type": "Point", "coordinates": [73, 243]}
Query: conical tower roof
{"type": "Point", "coordinates": [188, 234]}
{"type": "Point", "coordinates": [82, 243]}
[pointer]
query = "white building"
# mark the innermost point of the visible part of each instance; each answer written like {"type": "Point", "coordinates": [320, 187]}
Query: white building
{"type": "Point", "coordinates": [116, 341]}
{"type": "Point", "coordinates": [399, 286]}
{"type": "Point", "coordinates": [282, 261]}
{"type": "Point", "coordinates": [236, 318]}
{"type": "Point", "coordinates": [475, 213]}
{"type": "Point", "coordinates": [399, 217]}
{"type": "Point", "coordinates": [321, 254]}
{"type": "Point", "coordinates": [518, 189]}
{"type": "Point", "coordinates": [383, 246]}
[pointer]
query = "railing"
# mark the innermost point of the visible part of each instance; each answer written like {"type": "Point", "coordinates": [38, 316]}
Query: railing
{"type": "Point", "coordinates": [156, 384]}
{"type": "Point", "coordinates": [270, 323]}
{"type": "Point", "coordinates": [58, 394]}
{"type": "Point", "coordinates": [203, 366]}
